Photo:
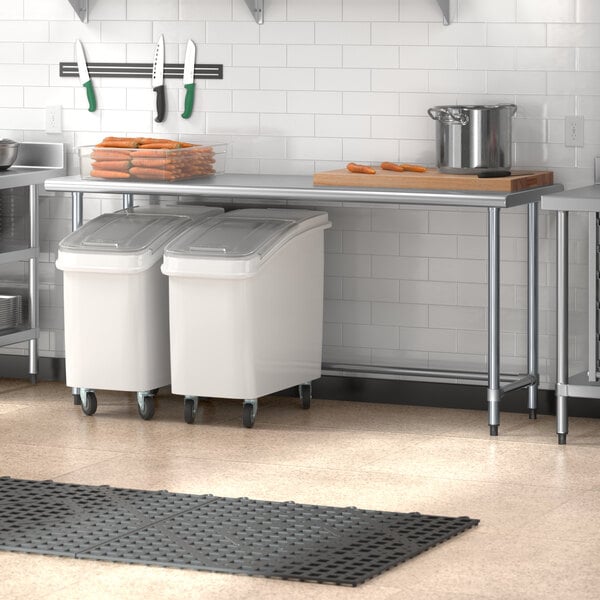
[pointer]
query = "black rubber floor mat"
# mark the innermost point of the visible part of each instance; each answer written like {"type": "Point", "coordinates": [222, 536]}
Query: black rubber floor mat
{"type": "Point", "coordinates": [324, 544]}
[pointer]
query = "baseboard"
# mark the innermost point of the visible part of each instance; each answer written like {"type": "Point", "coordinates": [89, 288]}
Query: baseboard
{"type": "Point", "coordinates": [362, 389]}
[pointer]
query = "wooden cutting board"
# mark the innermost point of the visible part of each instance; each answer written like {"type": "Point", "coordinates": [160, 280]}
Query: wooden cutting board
{"type": "Point", "coordinates": [432, 179]}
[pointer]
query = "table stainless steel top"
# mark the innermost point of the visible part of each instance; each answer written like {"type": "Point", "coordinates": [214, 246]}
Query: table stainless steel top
{"type": "Point", "coordinates": [297, 187]}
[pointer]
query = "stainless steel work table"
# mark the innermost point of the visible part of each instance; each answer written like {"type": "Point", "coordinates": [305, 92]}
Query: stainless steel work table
{"type": "Point", "coordinates": [585, 384]}
{"type": "Point", "coordinates": [297, 188]}
{"type": "Point", "coordinates": [35, 163]}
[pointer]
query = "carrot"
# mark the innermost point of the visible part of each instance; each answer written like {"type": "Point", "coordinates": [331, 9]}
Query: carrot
{"type": "Point", "coordinates": [161, 145]}
{"type": "Point", "coordinates": [149, 153]}
{"type": "Point", "coordinates": [354, 168]}
{"type": "Point", "coordinates": [414, 168]}
{"type": "Point", "coordinates": [109, 174]}
{"type": "Point", "coordinates": [101, 154]}
{"type": "Point", "coordinates": [125, 143]}
{"type": "Point", "coordinates": [113, 138]}
{"type": "Point", "coordinates": [148, 173]}
{"type": "Point", "coordinates": [111, 165]}
{"type": "Point", "coordinates": [153, 163]}
{"type": "Point", "coordinates": [390, 166]}
{"type": "Point", "coordinates": [145, 140]}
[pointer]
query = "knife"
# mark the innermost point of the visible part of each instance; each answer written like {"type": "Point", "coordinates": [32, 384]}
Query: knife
{"type": "Point", "coordinates": [84, 76]}
{"type": "Point", "coordinates": [158, 79]}
{"type": "Point", "coordinates": [188, 78]}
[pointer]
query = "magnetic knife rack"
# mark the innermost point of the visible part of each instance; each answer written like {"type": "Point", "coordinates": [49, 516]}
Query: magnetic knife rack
{"type": "Point", "coordinates": [171, 70]}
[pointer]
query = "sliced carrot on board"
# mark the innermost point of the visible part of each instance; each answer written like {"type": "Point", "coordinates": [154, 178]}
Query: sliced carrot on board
{"type": "Point", "coordinates": [354, 168]}
{"type": "Point", "coordinates": [390, 166]}
{"type": "Point", "coordinates": [414, 168]}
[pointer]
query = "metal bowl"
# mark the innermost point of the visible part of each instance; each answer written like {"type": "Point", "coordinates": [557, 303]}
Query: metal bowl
{"type": "Point", "coordinates": [8, 153]}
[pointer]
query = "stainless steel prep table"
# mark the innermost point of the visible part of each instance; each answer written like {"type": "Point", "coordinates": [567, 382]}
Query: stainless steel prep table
{"type": "Point", "coordinates": [35, 163]}
{"type": "Point", "coordinates": [300, 188]}
{"type": "Point", "coordinates": [585, 384]}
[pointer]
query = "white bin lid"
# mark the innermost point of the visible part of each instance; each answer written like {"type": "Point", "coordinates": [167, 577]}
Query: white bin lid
{"type": "Point", "coordinates": [237, 242]}
{"type": "Point", "coordinates": [122, 232]}
{"type": "Point", "coordinates": [194, 211]}
{"type": "Point", "coordinates": [122, 241]}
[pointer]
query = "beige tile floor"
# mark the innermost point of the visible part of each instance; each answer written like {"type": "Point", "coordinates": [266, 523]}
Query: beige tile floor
{"type": "Point", "coordinates": [539, 503]}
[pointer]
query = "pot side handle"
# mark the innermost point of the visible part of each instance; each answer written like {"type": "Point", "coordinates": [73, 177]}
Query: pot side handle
{"type": "Point", "coordinates": [446, 116]}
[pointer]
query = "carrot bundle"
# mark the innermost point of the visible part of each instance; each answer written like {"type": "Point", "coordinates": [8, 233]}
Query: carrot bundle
{"type": "Point", "coordinates": [150, 158]}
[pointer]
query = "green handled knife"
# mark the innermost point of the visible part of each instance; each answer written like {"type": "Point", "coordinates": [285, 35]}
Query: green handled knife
{"type": "Point", "coordinates": [188, 78]}
{"type": "Point", "coordinates": [84, 76]}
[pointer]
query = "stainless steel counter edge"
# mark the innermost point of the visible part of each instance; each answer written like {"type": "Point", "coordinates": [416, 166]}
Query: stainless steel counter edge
{"type": "Point", "coordinates": [298, 187]}
{"type": "Point", "coordinates": [26, 176]}
{"type": "Point", "coordinates": [36, 162]}
{"type": "Point", "coordinates": [580, 199]}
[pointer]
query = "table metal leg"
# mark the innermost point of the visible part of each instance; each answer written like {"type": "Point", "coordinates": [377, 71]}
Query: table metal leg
{"type": "Point", "coordinates": [532, 307]}
{"type": "Point", "coordinates": [493, 392]}
{"type": "Point", "coordinates": [33, 282]}
{"type": "Point", "coordinates": [76, 210]}
{"type": "Point", "coordinates": [562, 325]}
{"type": "Point", "coordinates": [76, 223]}
{"type": "Point", "coordinates": [127, 201]}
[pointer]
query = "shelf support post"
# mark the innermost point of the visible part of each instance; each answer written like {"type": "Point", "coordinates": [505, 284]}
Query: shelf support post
{"type": "Point", "coordinates": [257, 8]}
{"type": "Point", "coordinates": [81, 7]}
{"type": "Point", "coordinates": [445, 8]}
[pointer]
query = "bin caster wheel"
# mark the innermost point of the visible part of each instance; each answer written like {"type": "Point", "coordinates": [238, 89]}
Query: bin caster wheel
{"type": "Point", "coordinates": [154, 391]}
{"type": "Point", "coordinates": [249, 414]}
{"type": "Point", "coordinates": [76, 400]}
{"type": "Point", "coordinates": [146, 407]}
{"type": "Point", "coordinates": [89, 403]}
{"type": "Point", "coordinates": [305, 390]}
{"type": "Point", "coordinates": [190, 409]}
{"type": "Point", "coordinates": [494, 430]}
{"type": "Point", "coordinates": [562, 439]}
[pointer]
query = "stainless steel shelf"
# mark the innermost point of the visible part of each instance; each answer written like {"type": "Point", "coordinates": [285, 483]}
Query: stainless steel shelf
{"type": "Point", "coordinates": [16, 337]}
{"type": "Point", "coordinates": [257, 9]}
{"type": "Point", "coordinates": [18, 255]}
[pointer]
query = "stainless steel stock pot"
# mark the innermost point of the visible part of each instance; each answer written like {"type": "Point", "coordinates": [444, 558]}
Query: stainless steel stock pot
{"type": "Point", "coordinates": [473, 139]}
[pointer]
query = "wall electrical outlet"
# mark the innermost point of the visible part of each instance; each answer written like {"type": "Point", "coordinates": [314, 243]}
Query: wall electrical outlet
{"type": "Point", "coordinates": [54, 119]}
{"type": "Point", "coordinates": [574, 131]}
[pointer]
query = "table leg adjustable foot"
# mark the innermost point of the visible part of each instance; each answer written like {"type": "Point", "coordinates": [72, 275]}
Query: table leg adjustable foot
{"type": "Point", "coordinates": [562, 439]}
{"type": "Point", "coordinates": [494, 430]}
{"type": "Point", "coordinates": [533, 413]}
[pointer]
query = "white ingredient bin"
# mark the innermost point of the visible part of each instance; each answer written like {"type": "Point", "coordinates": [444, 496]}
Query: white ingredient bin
{"type": "Point", "coordinates": [246, 306]}
{"type": "Point", "coordinates": [116, 303]}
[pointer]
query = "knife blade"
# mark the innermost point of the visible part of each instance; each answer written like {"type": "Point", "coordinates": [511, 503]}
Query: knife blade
{"type": "Point", "coordinates": [84, 76]}
{"type": "Point", "coordinates": [188, 79]}
{"type": "Point", "coordinates": [158, 79]}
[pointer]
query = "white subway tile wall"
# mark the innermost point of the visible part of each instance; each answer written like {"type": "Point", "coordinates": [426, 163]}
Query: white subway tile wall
{"type": "Point", "coordinates": [320, 84]}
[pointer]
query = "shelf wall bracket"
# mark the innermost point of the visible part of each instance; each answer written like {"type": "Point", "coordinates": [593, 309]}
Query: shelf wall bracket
{"type": "Point", "coordinates": [257, 8]}
{"type": "Point", "coordinates": [81, 7]}
{"type": "Point", "coordinates": [445, 8]}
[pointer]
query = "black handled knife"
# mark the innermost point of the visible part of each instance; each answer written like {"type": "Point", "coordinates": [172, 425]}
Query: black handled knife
{"type": "Point", "coordinates": [158, 79]}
